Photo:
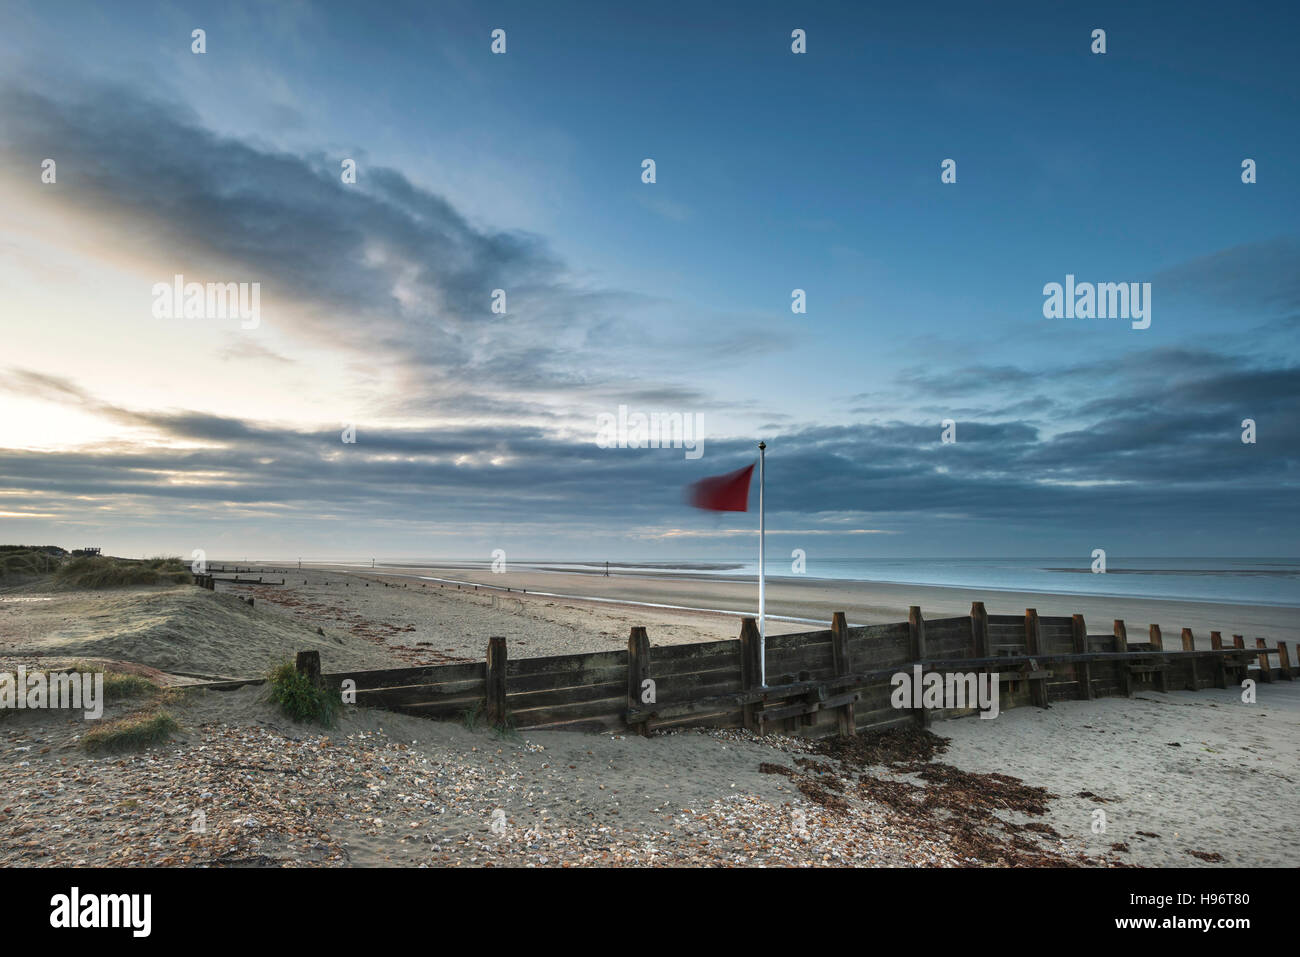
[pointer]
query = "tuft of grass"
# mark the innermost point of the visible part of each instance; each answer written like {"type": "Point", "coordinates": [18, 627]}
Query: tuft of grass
{"type": "Point", "coordinates": [132, 732]}
{"type": "Point", "coordinates": [475, 717]}
{"type": "Point", "coordinates": [298, 697]}
{"type": "Point", "coordinates": [101, 571]}
{"type": "Point", "coordinates": [471, 716]}
{"type": "Point", "coordinates": [118, 685]}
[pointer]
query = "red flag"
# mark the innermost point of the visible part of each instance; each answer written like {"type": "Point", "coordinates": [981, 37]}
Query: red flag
{"type": "Point", "coordinates": [723, 493]}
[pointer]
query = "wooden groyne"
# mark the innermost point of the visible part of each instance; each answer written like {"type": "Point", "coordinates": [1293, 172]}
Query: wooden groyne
{"type": "Point", "coordinates": [836, 680]}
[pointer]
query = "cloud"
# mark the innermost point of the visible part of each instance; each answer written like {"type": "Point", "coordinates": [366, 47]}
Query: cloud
{"type": "Point", "coordinates": [400, 280]}
{"type": "Point", "coordinates": [383, 269]}
{"type": "Point", "coordinates": [1161, 456]}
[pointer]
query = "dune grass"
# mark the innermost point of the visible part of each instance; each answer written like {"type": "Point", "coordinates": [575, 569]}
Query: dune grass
{"type": "Point", "coordinates": [118, 685]}
{"type": "Point", "coordinates": [132, 732]}
{"type": "Point", "coordinates": [298, 697]}
{"type": "Point", "coordinates": [20, 561]}
{"type": "Point", "coordinates": [99, 571]}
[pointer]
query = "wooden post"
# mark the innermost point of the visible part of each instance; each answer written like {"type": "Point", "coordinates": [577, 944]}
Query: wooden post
{"type": "Point", "coordinates": [1158, 644]}
{"type": "Point", "coordinates": [308, 664]}
{"type": "Point", "coordinates": [979, 626]}
{"type": "Point", "coordinates": [916, 635]}
{"type": "Point", "coordinates": [1284, 660]}
{"type": "Point", "coordinates": [845, 715]}
{"type": "Point", "coordinates": [1121, 646]}
{"type": "Point", "coordinates": [1265, 672]}
{"type": "Point", "coordinates": [638, 670]}
{"type": "Point", "coordinates": [496, 682]}
{"type": "Point", "coordinates": [1189, 644]}
{"type": "Point", "coordinates": [1082, 669]}
{"type": "Point", "coordinates": [1239, 667]}
{"type": "Point", "coordinates": [1037, 689]}
{"type": "Point", "coordinates": [1220, 672]}
{"type": "Point", "coordinates": [749, 652]}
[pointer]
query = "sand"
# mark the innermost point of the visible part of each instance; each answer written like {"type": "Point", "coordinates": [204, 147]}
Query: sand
{"type": "Point", "coordinates": [537, 621]}
{"type": "Point", "coordinates": [385, 789]}
{"type": "Point", "coordinates": [1174, 773]}
{"type": "Point", "coordinates": [179, 629]}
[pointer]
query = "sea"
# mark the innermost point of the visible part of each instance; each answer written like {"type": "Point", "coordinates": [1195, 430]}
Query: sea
{"type": "Point", "coordinates": [1250, 581]}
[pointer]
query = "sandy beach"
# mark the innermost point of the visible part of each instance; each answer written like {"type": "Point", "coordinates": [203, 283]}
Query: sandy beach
{"type": "Point", "coordinates": [1179, 777]}
{"type": "Point", "coordinates": [531, 610]}
{"type": "Point", "coordinates": [389, 617]}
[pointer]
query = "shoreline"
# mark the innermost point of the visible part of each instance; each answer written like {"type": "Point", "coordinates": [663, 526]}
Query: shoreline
{"type": "Point", "coordinates": [682, 575]}
{"type": "Point", "coordinates": [813, 601]}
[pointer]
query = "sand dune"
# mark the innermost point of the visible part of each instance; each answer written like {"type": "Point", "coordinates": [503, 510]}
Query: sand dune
{"type": "Point", "coordinates": [180, 627]}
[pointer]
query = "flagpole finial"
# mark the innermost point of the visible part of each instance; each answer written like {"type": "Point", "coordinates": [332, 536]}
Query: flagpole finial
{"type": "Point", "coordinates": [762, 445]}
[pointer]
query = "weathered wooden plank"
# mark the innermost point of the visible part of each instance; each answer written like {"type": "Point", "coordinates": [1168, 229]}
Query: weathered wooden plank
{"type": "Point", "coordinates": [595, 723]}
{"type": "Point", "coordinates": [797, 640]}
{"type": "Point", "coordinates": [693, 650]}
{"type": "Point", "coordinates": [717, 719]}
{"type": "Point", "coordinates": [685, 666]}
{"type": "Point", "coordinates": [518, 684]}
{"type": "Point", "coordinates": [936, 628]}
{"type": "Point", "coordinates": [885, 632]}
{"type": "Point", "coordinates": [1017, 621]}
{"type": "Point", "coordinates": [417, 697]}
{"type": "Point", "coordinates": [807, 707]}
{"type": "Point", "coordinates": [563, 696]}
{"type": "Point", "coordinates": [677, 687]}
{"type": "Point", "coordinates": [611, 707]}
{"type": "Point", "coordinates": [519, 667]}
{"type": "Point", "coordinates": [869, 653]}
{"type": "Point", "coordinates": [390, 677]}
{"type": "Point", "coordinates": [816, 659]}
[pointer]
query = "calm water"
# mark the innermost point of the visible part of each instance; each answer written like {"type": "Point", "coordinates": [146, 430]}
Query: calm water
{"type": "Point", "coordinates": [1253, 581]}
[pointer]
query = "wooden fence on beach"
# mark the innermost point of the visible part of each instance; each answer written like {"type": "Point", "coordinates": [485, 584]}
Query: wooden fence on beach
{"type": "Point", "coordinates": [836, 680]}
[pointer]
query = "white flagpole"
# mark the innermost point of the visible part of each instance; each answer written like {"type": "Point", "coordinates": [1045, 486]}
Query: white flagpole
{"type": "Point", "coordinates": [762, 533]}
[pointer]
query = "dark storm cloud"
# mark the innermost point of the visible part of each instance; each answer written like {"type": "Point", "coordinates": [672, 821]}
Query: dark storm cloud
{"type": "Point", "coordinates": [1162, 455]}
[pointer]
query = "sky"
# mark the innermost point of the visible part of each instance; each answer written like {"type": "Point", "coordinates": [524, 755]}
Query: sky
{"type": "Point", "coordinates": [775, 171]}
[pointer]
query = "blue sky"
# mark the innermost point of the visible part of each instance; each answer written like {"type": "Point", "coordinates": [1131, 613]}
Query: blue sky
{"type": "Point", "coordinates": [775, 171]}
